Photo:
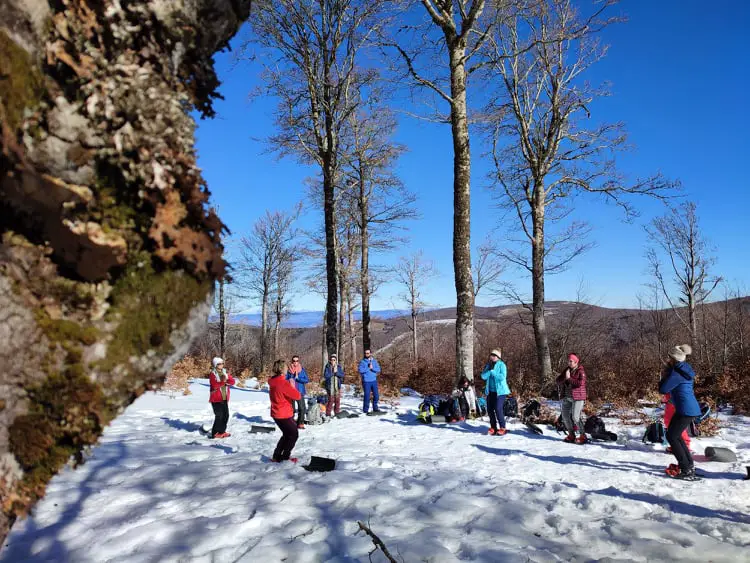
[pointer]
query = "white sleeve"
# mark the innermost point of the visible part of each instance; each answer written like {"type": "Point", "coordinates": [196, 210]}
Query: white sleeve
{"type": "Point", "coordinates": [471, 396]}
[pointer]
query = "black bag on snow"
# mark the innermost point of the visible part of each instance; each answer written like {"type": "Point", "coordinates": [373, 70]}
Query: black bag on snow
{"type": "Point", "coordinates": [510, 407]}
{"type": "Point", "coordinates": [594, 425]}
{"type": "Point", "coordinates": [559, 424]}
{"type": "Point", "coordinates": [656, 433]}
{"type": "Point", "coordinates": [532, 409]}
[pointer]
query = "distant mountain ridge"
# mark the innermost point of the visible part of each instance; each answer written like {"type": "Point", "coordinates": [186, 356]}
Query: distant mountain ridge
{"type": "Point", "coordinates": [310, 319]}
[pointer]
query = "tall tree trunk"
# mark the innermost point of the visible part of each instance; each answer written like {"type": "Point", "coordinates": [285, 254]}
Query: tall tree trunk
{"type": "Point", "coordinates": [264, 332]}
{"type": "Point", "coordinates": [323, 343]}
{"type": "Point", "coordinates": [342, 315]}
{"type": "Point", "coordinates": [277, 329]}
{"type": "Point", "coordinates": [222, 320]}
{"type": "Point", "coordinates": [350, 324]}
{"type": "Point", "coordinates": [365, 267]}
{"type": "Point", "coordinates": [462, 216]}
{"type": "Point", "coordinates": [544, 362]}
{"type": "Point", "coordinates": [415, 357]}
{"type": "Point", "coordinates": [331, 261]}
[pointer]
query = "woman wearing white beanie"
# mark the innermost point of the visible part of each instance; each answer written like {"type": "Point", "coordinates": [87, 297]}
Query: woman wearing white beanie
{"type": "Point", "coordinates": [219, 381]}
{"type": "Point", "coordinates": [677, 380]}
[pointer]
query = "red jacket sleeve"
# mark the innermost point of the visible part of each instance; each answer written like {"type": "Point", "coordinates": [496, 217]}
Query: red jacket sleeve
{"type": "Point", "coordinates": [290, 392]}
{"type": "Point", "coordinates": [213, 382]}
{"type": "Point", "coordinates": [231, 380]}
{"type": "Point", "coordinates": [578, 377]}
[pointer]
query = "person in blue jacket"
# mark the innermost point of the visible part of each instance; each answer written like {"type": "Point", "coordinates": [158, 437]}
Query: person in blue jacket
{"type": "Point", "coordinates": [495, 373]}
{"type": "Point", "coordinates": [297, 376]}
{"type": "Point", "coordinates": [369, 368]}
{"type": "Point", "coordinates": [677, 380]}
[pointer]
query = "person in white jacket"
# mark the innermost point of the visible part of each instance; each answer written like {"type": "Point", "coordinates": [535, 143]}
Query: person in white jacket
{"type": "Point", "coordinates": [467, 398]}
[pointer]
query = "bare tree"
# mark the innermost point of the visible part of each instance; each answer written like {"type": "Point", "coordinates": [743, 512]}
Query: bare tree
{"type": "Point", "coordinates": [379, 202]}
{"type": "Point", "coordinates": [454, 34]}
{"type": "Point", "coordinates": [312, 67]}
{"type": "Point", "coordinates": [264, 260]}
{"type": "Point", "coordinates": [544, 150]}
{"type": "Point", "coordinates": [676, 239]}
{"type": "Point", "coordinates": [412, 273]}
{"type": "Point", "coordinates": [488, 268]}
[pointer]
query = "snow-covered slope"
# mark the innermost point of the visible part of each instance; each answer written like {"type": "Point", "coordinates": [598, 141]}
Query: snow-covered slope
{"type": "Point", "coordinates": [155, 489]}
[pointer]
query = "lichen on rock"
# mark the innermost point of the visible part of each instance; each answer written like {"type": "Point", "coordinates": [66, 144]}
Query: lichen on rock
{"type": "Point", "coordinates": [108, 251]}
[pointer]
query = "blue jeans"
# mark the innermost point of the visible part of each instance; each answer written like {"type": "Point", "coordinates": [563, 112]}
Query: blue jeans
{"type": "Point", "coordinates": [495, 406]}
{"type": "Point", "coordinates": [370, 387]}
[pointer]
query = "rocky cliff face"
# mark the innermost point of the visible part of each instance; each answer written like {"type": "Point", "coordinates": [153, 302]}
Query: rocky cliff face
{"type": "Point", "coordinates": [108, 253]}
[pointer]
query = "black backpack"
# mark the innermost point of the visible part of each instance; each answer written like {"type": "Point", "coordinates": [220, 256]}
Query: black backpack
{"type": "Point", "coordinates": [532, 409]}
{"type": "Point", "coordinates": [559, 424]}
{"type": "Point", "coordinates": [655, 433]}
{"type": "Point", "coordinates": [510, 407]}
{"type": "Point", "coordinates": [594, 425]}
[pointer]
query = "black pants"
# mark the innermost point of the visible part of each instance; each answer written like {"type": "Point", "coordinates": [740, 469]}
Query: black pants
{"type": "Point", "coordinates": [677, 426]}
{"type": "Point", "coordinates": [289, 435]}
{"type": "Point", "coordinates": [221, 417]}
{"type": "Point", "coordinates": [301, 408]}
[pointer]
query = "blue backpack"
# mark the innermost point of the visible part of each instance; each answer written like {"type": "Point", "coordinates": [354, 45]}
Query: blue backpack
{"type": "Point", "coordinates": [481, 406]}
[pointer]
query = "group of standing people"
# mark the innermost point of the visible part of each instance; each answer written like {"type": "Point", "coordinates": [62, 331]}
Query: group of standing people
{"type": "Point", "coordinates": [289, 391]}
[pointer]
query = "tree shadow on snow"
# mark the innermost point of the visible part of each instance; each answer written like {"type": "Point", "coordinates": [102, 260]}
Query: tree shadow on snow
{"type": "Point", "coordinates": [182, 425]}
{"type": "Point", "coordinates": [22, 546]}
{"type": "Point", "coordinates": [252, 419]}
{"type": "Point", "coordinates": [676, 506]}
{"type": "Point", "coordinates": [626, 466]}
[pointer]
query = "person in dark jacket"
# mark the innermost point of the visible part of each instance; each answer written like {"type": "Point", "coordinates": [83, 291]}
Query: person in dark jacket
{"type": "Point", "coordinates": [677, 380]}
{"type": "Point", "coordinates": [333, 375]}
{"type": "Point", "coordinates": [571, 384]}
{"type": "Point", "coordinates": [297, 375]}
{"type": "Point", "coordinates": [219, 381]}
{"type": "Point", "coordinates": [467, 398]}
{"type": "Point", "coordinates": [283, 393]}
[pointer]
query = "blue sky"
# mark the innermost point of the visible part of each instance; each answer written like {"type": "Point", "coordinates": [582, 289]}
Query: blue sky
{"type": "Point", "coordinates": [679, 74]}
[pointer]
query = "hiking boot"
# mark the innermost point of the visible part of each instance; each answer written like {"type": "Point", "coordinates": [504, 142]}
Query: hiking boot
{"type": "Point", "coordinates": [581, 440]}
{"type": "Point", "coordinates": [491, 432]}
{"type": "Point", "coordinates": [293, 459]}
{"type": "Point", "coordinates": [570, 438]}
{"type": "Point", "coordinates": [301, 426]}
{"type": "Point", "coordinates": [673, 470]}
{"type": "Point", "coordinates": [687, 475]}
{"type": "Point", "coordinates": [225, 434]}
{"type": "Point", "coordinates": [501, 432]}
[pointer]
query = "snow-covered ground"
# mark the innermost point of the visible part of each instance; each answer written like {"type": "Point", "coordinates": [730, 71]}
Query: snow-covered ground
{"type": "Point", "coordinates": [155, 489]}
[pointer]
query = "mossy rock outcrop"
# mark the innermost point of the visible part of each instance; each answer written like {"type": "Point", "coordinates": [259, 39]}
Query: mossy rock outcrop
{"type": "Point", "coordinates": [108, 252]}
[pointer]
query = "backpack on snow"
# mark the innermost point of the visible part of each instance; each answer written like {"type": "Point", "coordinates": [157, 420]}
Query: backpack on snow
{"type": "Point", "coordinates": [314, 415]}
{"type": "Point", "coordinates": [427, 408]}
{"type": "Point", "coordinates": [559, 424]}
{"type": "Point", "coordinates": [510, 407]}
{"type": "Point", "coordinates": [656, 433]}
{"type": "Point", "coordinates": [532, 409]}
{"type": "Point", "coordinates": [595, 427]}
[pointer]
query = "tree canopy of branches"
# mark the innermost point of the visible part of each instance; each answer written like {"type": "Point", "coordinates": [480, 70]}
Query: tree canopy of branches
{"type": "Point", "coordinates": [546, 149]}
{"type": "Point", "coordinates": [412, 273]}
{"type": "Point", "coordinates": [677, 240]}
{"type": "Point", "coordinates": [312, 49]}
{"type": "Point", "coordinates": [376, 200]}
{"type": "Point", "coordinates": [265, 271]}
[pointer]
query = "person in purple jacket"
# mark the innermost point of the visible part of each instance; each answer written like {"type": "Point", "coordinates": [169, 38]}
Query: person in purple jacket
{"type": "Point", "coordinates": [571, 384]}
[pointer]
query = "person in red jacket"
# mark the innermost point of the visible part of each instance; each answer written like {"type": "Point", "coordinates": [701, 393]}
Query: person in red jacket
{"type": "Point", "coordinates": [571, 384]}
{"type": "Point", "coordinates": [282, 393]}
{"type": "Point", "coordinates": [219, 381]}
{"type": "Point", "coordinates": [669, 410]}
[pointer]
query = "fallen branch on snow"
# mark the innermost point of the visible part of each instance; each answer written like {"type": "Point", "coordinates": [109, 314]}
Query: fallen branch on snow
{"type": "Point", "coordinates": [377, 541]}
